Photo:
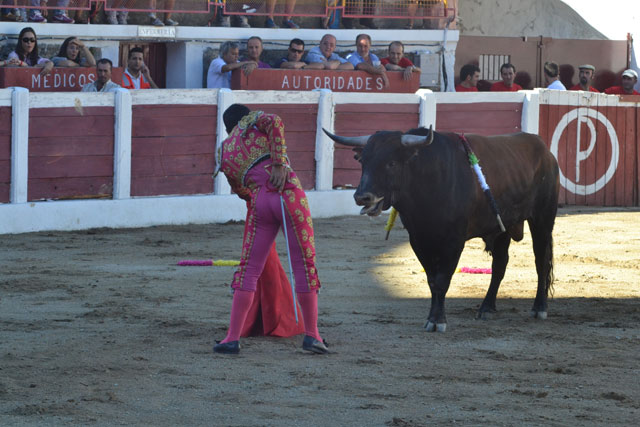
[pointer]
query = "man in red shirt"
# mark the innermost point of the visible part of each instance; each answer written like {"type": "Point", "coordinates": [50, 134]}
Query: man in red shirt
{"type": "Point", "coordinates": [396, 61]}
{"type": "Point", "coordinates": [585, 75]}
{"type": "Point", "coordinates": [508, 73]}
{"type": "Point", "coordinates": [629, 80]}
{"type": "Point", "coordinates": [469, 76]}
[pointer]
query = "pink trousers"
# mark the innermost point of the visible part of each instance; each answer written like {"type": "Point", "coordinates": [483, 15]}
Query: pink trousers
{"type": "Point", "coordinates": [264, 220]}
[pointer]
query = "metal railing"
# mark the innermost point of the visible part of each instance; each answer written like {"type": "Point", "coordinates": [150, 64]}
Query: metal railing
{"type": "Point", "coordinates": [399, 9]}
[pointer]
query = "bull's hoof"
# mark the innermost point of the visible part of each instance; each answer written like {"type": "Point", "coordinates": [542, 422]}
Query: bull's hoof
{"type": "Point", "coordinates": [435, 327]}
{"type": "Point", "coordinates": [542, 315]}
{"type": "Point", "coordinates": [485, 315]}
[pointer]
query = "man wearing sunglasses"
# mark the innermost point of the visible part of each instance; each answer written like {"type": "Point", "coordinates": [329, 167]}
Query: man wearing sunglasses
{"type": "Point", "coordinates": [293, 60]}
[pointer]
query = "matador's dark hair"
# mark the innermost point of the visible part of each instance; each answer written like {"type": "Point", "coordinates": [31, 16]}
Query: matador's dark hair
{"type": "Point", "coordinates": [233, 115]}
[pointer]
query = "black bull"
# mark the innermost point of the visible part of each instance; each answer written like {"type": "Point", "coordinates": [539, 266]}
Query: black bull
{"type": "Point", "coordinates": [427, 177]}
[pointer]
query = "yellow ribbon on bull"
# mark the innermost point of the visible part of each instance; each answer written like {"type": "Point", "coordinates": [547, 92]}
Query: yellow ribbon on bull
{"type": "Point", "coordinates": [390, 221]}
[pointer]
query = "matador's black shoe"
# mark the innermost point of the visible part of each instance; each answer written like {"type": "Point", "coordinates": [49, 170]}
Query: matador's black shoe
{"type": "Point", "coordinates": [231, 347]}
{"type": "Point", "coordinates": [311, 344]}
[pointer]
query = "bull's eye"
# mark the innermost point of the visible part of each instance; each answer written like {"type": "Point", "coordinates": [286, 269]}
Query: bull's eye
{"type": "Point", "coordinates": [391, 164]}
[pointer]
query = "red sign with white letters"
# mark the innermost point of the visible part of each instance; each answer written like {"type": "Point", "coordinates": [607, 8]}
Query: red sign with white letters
{"type": "Point", "coordinates": [59, 80]}
{"type": "Point", "coordinates": [336, 81]}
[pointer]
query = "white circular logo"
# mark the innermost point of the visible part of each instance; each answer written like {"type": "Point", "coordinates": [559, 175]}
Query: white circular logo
{"type": "Point", "coordinates": [583, 115]}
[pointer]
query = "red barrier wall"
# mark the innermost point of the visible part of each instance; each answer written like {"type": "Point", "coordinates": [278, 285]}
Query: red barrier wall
{"type": "Point", "coordinates": [300, 133]}
{"type": "Point", "coordinates": [484, 118]}
{"type": "Point", "coordinates": [365, 119]}
{"type": "Point", "coordinates": [70, 154]}
{"type": "Point", "coordinates": [587, 153]}
{"type": "Point", "coordinates": [337, 81]}
{"type": "Point", "coordinates": [5, 153]}
{"type": "Point", "coordinates": [173, 149]}
{"type": "Point", "coordinates": [59, 80]}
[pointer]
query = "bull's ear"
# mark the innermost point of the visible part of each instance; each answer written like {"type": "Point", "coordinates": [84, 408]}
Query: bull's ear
{"type": "Point", "coordinates": [358, 154]}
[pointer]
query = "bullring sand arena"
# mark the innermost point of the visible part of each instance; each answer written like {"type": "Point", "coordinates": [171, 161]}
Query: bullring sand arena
{"type": "Point", "coordinates": [100, 327]}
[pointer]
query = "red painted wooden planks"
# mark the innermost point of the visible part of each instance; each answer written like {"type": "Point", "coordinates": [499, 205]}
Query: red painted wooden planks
{"type": "Point", "coordinates": [173, 149]}
{"type": "Point", "coordinates": [172, 146]}
{"type": "Point", "coordinates": [70, 152]}
{"type": "Point", "coordinates": [194, 164]}
{"type": "Point", "coordinates": [484, 118]}
{"type": "Point", "coordinates": [596, 150]}
{"type": "Point", "coordinates": [173, 120]}
{"type": "Point", "coordinates": [300, 135]}
{"type": "Point", "coordinates": [337, 81]}
{"type": "Point", "coordinates": [70, 166]}
{"type": "Point", "coordinates": [70, 188]}
{"type": "Point", "coordinates": [172, 185]}
{"type": "Point", "coordinates": [58, 146]}
{"type": "Point", "coordinates": [366, 119]}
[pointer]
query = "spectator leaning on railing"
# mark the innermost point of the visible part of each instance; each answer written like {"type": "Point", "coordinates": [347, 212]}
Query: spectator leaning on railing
{"type": "Point", "coordinates": [74, 53]}
{"type": "Point", "coordinates": [103, 81]}
{"type": "Point", "coordinates": [362, 59]}
{"type": "Point", "coordinates": [396, 61]}
{"type": "Point", "coordinates": [293, 60]}
{"type": "Point", "coordinates": [219, 74]}
{"type": "Point", "coordinates": [254, 51]}
{"type": "Point", "coordinates": [324, 55]}
{"type": "Point", "coordinates": [26, 53]}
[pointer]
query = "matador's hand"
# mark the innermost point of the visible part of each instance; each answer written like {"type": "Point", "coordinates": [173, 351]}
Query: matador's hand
{"type": "Point", "coordinates": [279, 176]}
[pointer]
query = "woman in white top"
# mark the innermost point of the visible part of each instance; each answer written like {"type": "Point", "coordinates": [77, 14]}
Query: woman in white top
{"type": "Point", "coordinates": [26, 53]}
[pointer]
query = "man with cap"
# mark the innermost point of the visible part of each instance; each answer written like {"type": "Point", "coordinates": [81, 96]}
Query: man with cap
{"type": "Point", "coordinates": [585, 75]}
{"type": "Point", "coordinates": [629, 80]}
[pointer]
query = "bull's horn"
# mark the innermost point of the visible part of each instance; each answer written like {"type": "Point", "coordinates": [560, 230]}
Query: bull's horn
{"type": "Point", "coordinates": [352, 141]}
{"type": "Point", "coordinates": [409, 140]}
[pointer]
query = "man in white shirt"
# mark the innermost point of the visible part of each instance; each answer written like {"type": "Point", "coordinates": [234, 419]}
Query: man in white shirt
{"type": "Point", "coordinates": [219, 74]}
{"type": "Point", "coordinates": [103, 81]}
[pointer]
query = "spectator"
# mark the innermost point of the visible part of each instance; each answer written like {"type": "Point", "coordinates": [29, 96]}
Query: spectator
{"type": "Point", "coordinates": [396, 61]}
{"type": "Point", "coordinates": [60, 15]}
{"type": "Point", "coordinates": [352, 7]}
{"type": "Point", "coordinates": [35, 15]}
{"type": "Point", "coordinates": [137, 74]}
{"type": "Point", "coordinates": [293, 60]}
{"type": "Point", "coordinates": [74, 53]}
{"type": "Point", "coordinates": [362, 59]}
{"type": "Point", "coordinates": [120, 17]}
{"type": "Point", "coordinates": [629, 80]}
{"type": "Point", "coordinates": [324, 55]}
{"type": "Point", "coordinates": [103, 81]}
{"type": "Point", "coordinates": [9, 14]}
{"type": "Point", "coordinates": [469, 76]}
{"type": "Point", "coordinates": [254, 51]}
{"type": "Point", "coordinates": [585, 76]}
{"type": "Point", "coordinates": [26, 53]}
{"type": "Point", "coordinates": [288, 10]}
{"type": "Point", "coordinates": [508, 73]}
{"type": "Point", "coordinates": [223, 20]}
{"type": "Point", "coordinates": [153, 19]}
{"type": "Point", "coordinates": [430, 7]}
{"type": "Point", "coordinates": [551, 76]}
{"type": "Point", "coordinates": [219, 74]}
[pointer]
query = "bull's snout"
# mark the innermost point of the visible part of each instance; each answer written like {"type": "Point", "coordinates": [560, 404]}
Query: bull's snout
{"type": "Point", "coordinates": [364, 199]}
